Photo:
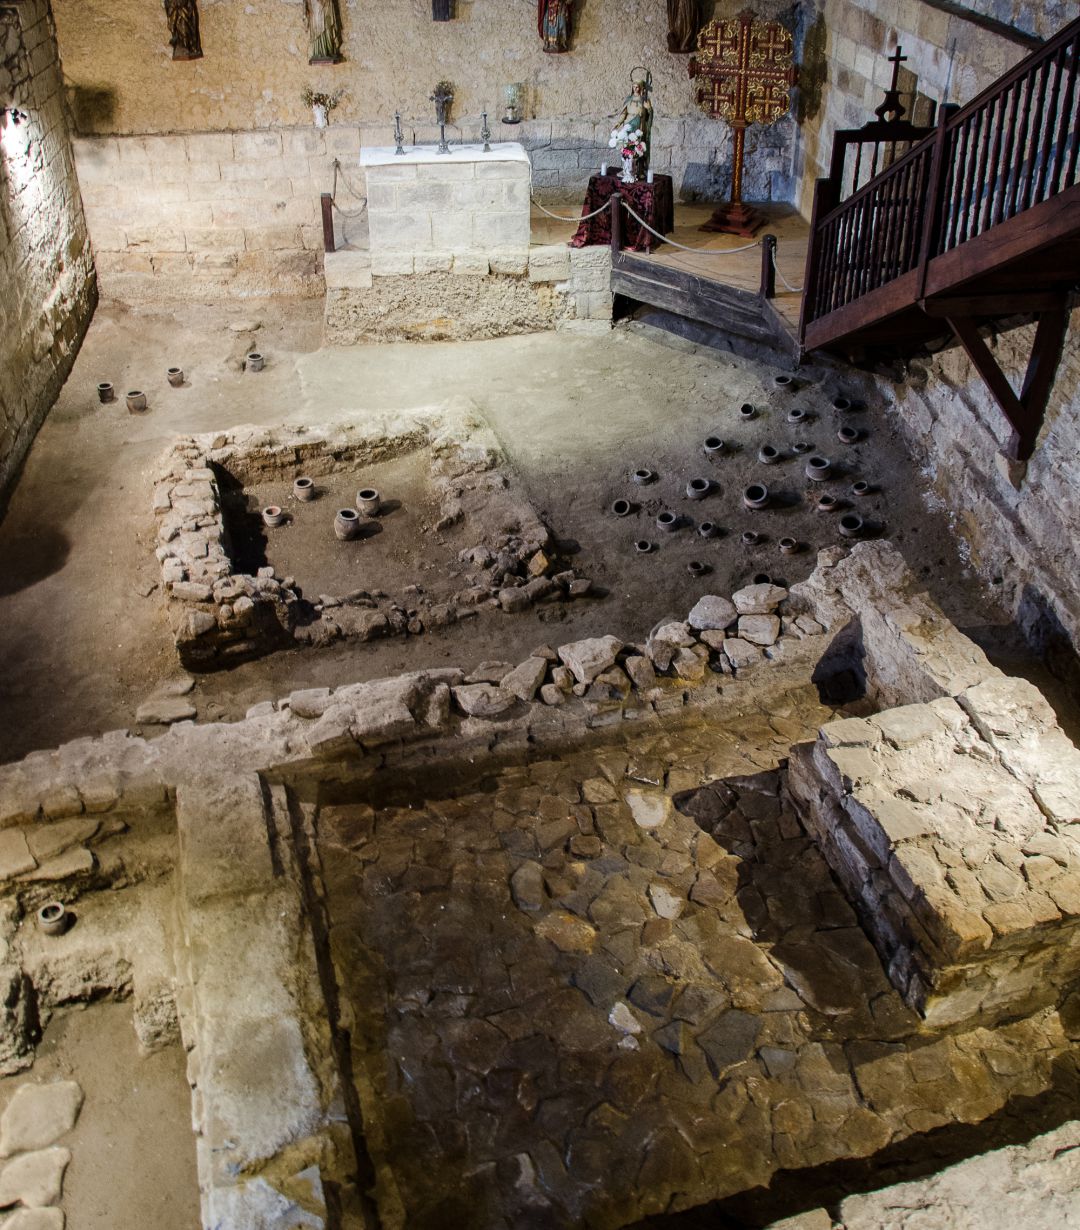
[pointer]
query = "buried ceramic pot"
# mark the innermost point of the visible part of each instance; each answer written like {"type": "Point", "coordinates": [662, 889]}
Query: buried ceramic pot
{"type": "Point", "coordinates": [747, 411]}
{"type": "Point", "coordinates": [622, 508]}
{"type": "Point", "coordinates": [768, 454]}
{"type": "Point", "coordinates": [668, 522]}
{"type": "Point", "coordinates": [841, 404]}
{"type": "Point", "coordinates": [368, 501]}
{"type": "Point", "coordinates": [273, 516]}
{"type": "Point", "coordinates": [707, 529]}
{"type": "Point", "coordinates": [796, 415]}
{"type": "Point", "coordinates": [698, 488]}
{"type": "Point", "coordinates": [346, 524]}
{"type": "Point", "coordinates": [643, 546]}
{"type": "Point", "coordinates": [761, 578]}
{"type": "Point", "coordinates": [714, 446]}
{"type": "Point", "coordinates": [255, 362]}
{"type": "Point", "coordinates": [847, 435]}
{"type": "Point", "coordinates": [827, 503]}
{"type": "Point", "coordinates": [749, 538]}
{"type": "Point", "coordinates": [175, 376]}
{"type": "Point", "coordinates": [851, 526]}
{"type": "Point", "coordinates": [106, 393]}
{"type": "Point", "coordinates": [755, 496]}
{"type": "Point", "coordinates": [304, 489]}
{"type": "Point", "coordinates": [788, 546]}
{"type": "Point", "coordinates": [642, 477]}
{"type": "Point", "coordinates": [786, 383]}
{"type": "Point", "coordinates": [136, 401]}
{"type": "Point", "coordinates": [52, 918]}
{"type": "Point", "coordinates": [860, 488]}
{"type": "Point", "coordinates": [696, 568]}
{"type": "Point", "coordinates": [818, 469]}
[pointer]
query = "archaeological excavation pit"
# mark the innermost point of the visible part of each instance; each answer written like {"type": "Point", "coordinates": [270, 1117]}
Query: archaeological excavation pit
{"type": "Point", "coordinates": [436, 531]}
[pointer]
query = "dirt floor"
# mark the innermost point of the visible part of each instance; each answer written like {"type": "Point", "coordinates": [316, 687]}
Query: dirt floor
{"type": "Point", "coordinates": [132, 1151]}
{"type": "Point", "coordinates": [84, 636]}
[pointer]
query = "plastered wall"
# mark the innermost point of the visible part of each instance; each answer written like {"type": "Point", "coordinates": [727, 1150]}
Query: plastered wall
{"type": "Point", "coordinates": [46, 267]}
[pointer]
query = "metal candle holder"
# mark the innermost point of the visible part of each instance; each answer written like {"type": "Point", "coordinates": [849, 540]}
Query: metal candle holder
{"type": "Point", "coordinates": [399, 136]}
{"type": "Point", "coordinates": [485, 132]}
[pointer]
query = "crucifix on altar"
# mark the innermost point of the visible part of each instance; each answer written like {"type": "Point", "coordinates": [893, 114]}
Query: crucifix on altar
{"type": "Point", "coordinates": [746, 68]}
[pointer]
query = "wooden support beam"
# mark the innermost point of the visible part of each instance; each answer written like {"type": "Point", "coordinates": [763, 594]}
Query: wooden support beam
{"type": "Point", "coordinates": [1025, 411]}
{"type": "Point", "coordinates": [768, 266]}
{"type": "Point", "coordinates": [326, 204]}
{"type": "Point", "coordinates": [948, 306]}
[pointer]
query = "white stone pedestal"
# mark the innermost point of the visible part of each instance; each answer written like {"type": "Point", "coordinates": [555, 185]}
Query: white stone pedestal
{"type": "Point", "coordinates": [439, 208]}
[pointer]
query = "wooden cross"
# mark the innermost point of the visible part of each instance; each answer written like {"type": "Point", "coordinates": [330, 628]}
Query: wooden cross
{"type": "Point", "coordinates": [747, 70]}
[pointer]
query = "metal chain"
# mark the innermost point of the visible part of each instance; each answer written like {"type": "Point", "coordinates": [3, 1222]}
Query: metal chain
{"type": "Point", "coordinates": [696, 251]}
{"type": "Point", "coordinates": [795, 290]}
{"type": "Point", "coordinates": [346, 213]}
{"type": "Point", "coordinates": [560, 218]}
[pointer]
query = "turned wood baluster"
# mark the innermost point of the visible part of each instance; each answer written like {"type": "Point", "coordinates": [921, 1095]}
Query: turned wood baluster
{"type": "Point", "coordinates": [1067, 125]}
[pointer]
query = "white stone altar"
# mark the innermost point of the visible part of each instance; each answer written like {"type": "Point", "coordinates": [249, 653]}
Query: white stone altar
{"type": "Point", "coordinates": [446, 207]}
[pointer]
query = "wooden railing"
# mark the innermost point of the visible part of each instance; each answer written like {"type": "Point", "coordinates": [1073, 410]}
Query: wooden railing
{"type": "Point", "coordinates": [1013, 147]}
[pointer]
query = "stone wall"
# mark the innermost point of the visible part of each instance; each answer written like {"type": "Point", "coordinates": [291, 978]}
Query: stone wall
{"type": "Point", "coordinates": [46, 267]}
{"type": "Point", "coordinates": [1021, 523]}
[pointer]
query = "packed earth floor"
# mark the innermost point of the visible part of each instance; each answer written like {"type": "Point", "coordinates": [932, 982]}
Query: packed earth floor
{"type": "Point", "coordinates": [86, 639]}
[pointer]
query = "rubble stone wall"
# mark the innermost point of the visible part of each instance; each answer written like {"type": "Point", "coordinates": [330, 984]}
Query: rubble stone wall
{"type": "Point", "coordinates": [46, 265]}
{"type": "Point", "coordinates": [1021, 523]}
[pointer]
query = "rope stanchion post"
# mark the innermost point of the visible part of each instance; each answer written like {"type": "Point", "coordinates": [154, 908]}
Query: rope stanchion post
{"type": "Point", "coordinates": [768, 266]}
{"type": "Point", "coordinates": [616, 223]}
{"type": "Point", "coordinates": [326, 201]}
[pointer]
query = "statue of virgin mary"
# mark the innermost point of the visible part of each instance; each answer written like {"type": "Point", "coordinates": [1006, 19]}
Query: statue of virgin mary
{"type": "Point", "coordinates": [553, 23]}
{"type": "Point", "coordinates": [324, 26]}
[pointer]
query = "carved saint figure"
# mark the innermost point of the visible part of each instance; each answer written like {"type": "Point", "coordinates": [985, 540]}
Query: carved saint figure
{"type": "Point", "coordinates": [183, 19]}
{"type": "Point", "coordinates": [632, 134]}
{"type": "Point", "coordinates": [683, 20]}
{"type": "Point", "coordinates": [553, 22]}
{"type": "Point", "coordinates": [324, 26]}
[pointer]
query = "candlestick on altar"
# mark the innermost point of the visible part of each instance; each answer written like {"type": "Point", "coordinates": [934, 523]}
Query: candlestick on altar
{"type": "Point", "coordinates": [747, 72]}
{"type": "Point", "coordinates": [399, 136]}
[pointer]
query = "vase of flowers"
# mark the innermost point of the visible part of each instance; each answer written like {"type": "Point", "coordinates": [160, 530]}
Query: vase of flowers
{"type": "Point", "coordinates": [321, 105]}
{"type": "Point", "coordinates": [632, 151]}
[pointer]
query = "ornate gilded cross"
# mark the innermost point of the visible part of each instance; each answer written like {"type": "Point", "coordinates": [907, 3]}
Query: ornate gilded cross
{"type": "Point", "coordinates": [746, 69]}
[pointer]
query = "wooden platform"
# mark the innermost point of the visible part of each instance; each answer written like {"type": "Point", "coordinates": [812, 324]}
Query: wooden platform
{"type": "Point", "coordinates": [703, 285]}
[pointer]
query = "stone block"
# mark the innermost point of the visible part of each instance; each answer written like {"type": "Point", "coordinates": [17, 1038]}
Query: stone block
{"type": "Point", "coordinates": [391, 264]}
{"type": "Point", "coordinates": [433, 262]}
{"type": "Point", "coordinates": [550, 263]}
{"type": "Point", "coordinates": [471, 264]}
{"type": "Point", "coordinates": [347, 269]}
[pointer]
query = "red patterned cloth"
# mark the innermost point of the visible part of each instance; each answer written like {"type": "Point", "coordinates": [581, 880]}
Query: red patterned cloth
{"type": "Point", "coordinates": [654, 202]}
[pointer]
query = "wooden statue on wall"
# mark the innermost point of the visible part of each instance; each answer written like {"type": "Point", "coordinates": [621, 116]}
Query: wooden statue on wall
{"type": "Point", "coordinates": [183, 19]}
{"type": "Point", "coordinates": [684, 19]}
{"type": "Point", "coordinates": [553, 20]}
{"type": "Point", "coordinates": [324, 26]}
{"type": "Point", "coordinates": [442, 10]}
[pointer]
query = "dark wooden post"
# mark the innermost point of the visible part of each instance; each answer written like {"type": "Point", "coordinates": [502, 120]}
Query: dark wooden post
{"type": "Point", "coordinates": [768, 269]}
{"type": "Point", "coordinates": [824, 202]}
{"type": "Point", "coordinates": [616, 222]}
{"type": "Point", "coordinates": [933, 203]}
{"type": "Point", "coordinates": [327, 203]}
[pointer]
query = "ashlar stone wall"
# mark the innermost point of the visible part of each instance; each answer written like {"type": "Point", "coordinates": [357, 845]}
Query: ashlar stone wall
{"type": "Point", "coordinates": [950, 59]}
{"type": "Point", "coordinates": [46, 266]}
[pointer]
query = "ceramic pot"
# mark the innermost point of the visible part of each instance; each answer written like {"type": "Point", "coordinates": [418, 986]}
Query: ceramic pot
{"type": "Point", "coordinates": [714, 446]}
{"type": "Point", "coordinates": [818, 469]}
{"type": "Point", "coordinates": [273, 516]}
{"type": "Point", "coordinates": [668, 522]}
{"type": "Point", "coordinates": [52, 918]}
{"type": "Point", "coordinates": [346, 524]}
{"type": "Point", "coordinates": [768, 455]}
{"type": "Point", "coordinates": [642, 546]}
{"type": "Point", "coordinates": [643, 477]}
{"type": "Point", "coordinates": [136, 401]}
{"type": "Point", "coordinates": [106, 393]}
{"type": "Point", "coordinates": [697, 488]}
{"type": "Point", "coordinates": [788, 546]}
{"type": "Point", "coordinates": [851, 526]}
{"type": "Point", "coordinates": [696, 568]}
{"type": "Point", "coordinates": [175, 376]}
{"type": "Point", "coordinates": [304, 489]}
{"type": "Point", "coordinates": [255, 362]}
{"type": "Point", "coordinates": [368, 501]}
{"type": "Point", "coordinates": [755, 496]}
{"type": "Point", "coordinates": [622, 508]}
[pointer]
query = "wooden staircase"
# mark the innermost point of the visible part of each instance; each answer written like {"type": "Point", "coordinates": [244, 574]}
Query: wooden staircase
{"type": "Point", "coordinates": [978, 220]}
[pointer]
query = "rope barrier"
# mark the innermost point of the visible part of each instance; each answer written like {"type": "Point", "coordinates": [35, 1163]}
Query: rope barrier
{"type": "Point", "coordinates": [346, 213]}
{"type": "Point", "coordinates": [795, 290]}
{"type": "Point", "coordinates": [695, 251]}
{"type": "Point", "coordinates": [560, 218]}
